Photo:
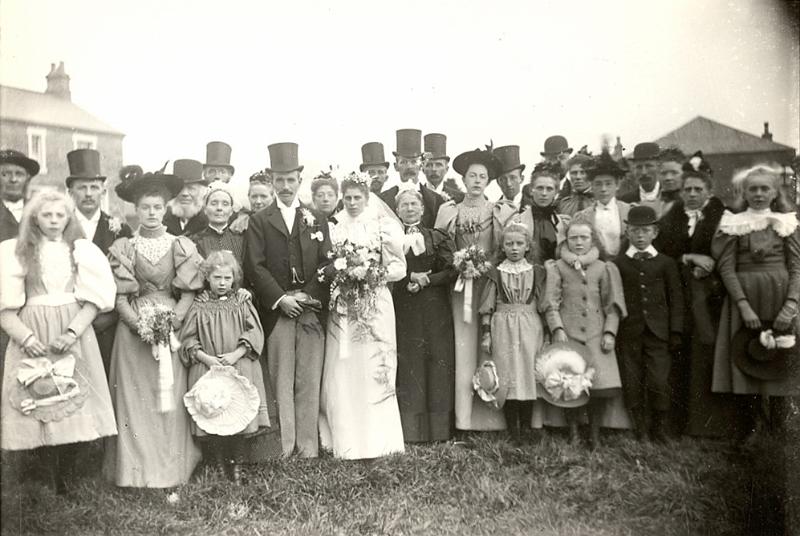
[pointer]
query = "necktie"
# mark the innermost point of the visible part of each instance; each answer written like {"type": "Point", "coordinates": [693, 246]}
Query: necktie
{"type": "Point", "coordinates": [641, 255]}
{"type": "Point", "coordinates": [694, 217]}
{"type": "Point", "coordinates": [413, 228]}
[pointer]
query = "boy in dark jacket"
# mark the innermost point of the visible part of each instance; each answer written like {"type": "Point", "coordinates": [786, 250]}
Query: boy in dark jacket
{"type": "Point", "coordinates": [652, 330]}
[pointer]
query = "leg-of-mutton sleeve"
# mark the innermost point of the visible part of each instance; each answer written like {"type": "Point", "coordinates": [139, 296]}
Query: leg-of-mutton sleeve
{"type": "Point", "coordinates": [253, 334]}
{"type": "Point", "coordinates": [94, 281]}
{"type": "Point", "coordinates": [446, 219]}
{"type": "Point", "coordinates": [612, 298]}
{"type": "Point", "coordinates": [121, 257]}
{"type": "Point", "coordinates": [188, 278]}
{"type": "Point", "coordinates": [392, 255]}
{"type": "Point", "coordinates": [12, 292]}
{"type": "Point", "coordinates": [488, 301]}
{"type": "Point", "coordinates": [444, 247]}
{"type": "Point", "coordinates": [550, 304]}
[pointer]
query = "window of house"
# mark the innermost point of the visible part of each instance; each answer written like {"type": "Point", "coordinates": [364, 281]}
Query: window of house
{"type": "Point", "coordinates": [37, 147]}
{"type": "Point", "coordinates": [84, 141]}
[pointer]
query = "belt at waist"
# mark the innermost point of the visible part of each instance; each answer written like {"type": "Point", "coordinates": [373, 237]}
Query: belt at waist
{"type": "Point", "coordinates": [514, 307]}
{"type": "Point", "coordinates": [52, 299]}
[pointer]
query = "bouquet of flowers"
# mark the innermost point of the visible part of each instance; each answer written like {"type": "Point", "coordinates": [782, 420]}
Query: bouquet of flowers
{"type": "Point", "coordinates": [155, 328]}
{"type": "Point", "coordinates": [471, 263]}
{"type": "Point", "coordinates": [358, 274]}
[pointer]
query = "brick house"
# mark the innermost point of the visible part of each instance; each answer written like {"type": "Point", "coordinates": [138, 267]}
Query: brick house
{"type": "Point", "coordinates": [46, 126]}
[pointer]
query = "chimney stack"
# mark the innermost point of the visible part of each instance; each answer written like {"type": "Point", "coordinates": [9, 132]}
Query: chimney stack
{"type": "Point", "coordinates": [767, 135]}
{"type": "Point", "coordinates": [58, 82]}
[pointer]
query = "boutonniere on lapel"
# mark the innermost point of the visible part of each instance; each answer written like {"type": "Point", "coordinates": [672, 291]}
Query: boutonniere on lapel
{"type": "Point", "coordinates": [114, 224]}
{"type": "Point", "coordinates": [312, 225]}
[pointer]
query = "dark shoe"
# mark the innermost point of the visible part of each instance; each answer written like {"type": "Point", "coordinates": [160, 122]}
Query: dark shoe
{"type": "Point", "coordinates": [574, 434]}
{"type": "Point", "coordinates": [594, 434]}
{"type": "Point", "coordinates": [659, 431]}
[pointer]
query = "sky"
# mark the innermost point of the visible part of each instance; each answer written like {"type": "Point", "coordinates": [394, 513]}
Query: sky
{"type": "Point", "coordinates": [175, 74]}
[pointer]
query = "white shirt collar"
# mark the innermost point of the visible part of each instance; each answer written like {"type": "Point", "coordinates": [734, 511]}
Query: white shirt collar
{"type": "Point", "coordinates": [83, 219]}
{"type": "Point", "coordinates": [650, 196]}
{"type": "Point", "coordinates": [15, 208]}
{"type": "Point", "coordinates": [516, 201]}
{"type": "Point", "coordinates": [611, 205]}
{"type": "Point", "coordinates": [631, 251]}
{"type": "Point", "coordinates": [438, 189]}
{"type": "Point", "coordinates": [295, 204]}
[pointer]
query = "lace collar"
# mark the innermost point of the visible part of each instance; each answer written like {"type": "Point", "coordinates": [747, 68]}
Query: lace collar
{"type": "Point", "coordinates": [784, 224]}
{"type": "Point", "coordinates": [518, 267]}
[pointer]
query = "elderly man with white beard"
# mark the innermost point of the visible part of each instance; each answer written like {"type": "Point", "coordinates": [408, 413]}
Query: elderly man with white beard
{"type": "Point", "coordinates": [185, 213]}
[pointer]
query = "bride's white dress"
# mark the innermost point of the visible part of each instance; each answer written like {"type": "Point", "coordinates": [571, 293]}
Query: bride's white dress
{"type": "Point", "coordinates": [359, 416]}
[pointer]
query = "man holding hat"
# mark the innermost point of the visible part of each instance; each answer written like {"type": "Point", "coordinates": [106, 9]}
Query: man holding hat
{"type": "Point", "coordinates": [557, 149]}
{"type": "Point", "coordinates": [510, 182]}
{"type": "Point", "coordinates": [218, 162]}
{"type": "Point", "coordinates": [375, 165]}
{"type": "Point", "coordinates": [86, 185]}
{"type": "Point", "coordinates": [644, 164]}
{"type": "Point", "coordinates": [286, 243]}
{"type": "Point", "coordinates": [185, 213]}
{"type": "Point", "coordinates": [408, 163]}
{"type": "Point", "coordinates": [435, 167]}
{"type": "Point", "coordinates": [16, 171]}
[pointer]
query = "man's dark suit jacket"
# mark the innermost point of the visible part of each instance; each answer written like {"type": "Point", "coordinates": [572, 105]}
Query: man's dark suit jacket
{"type": "Point", "coordinates": [277, 261]}
{"type": "Point", "coordinates": [430, 200]}
{"type": "Point", "coordinates": [195, 224]}
{"type": "Point", "coordinates": [653, 296]}
{"type": "Point", "coordinates": [104, 237]}
{"type": "Point", "coordinates": [9, 228]}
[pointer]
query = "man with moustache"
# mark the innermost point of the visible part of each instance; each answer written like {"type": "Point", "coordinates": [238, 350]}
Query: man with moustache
{"type": "Point", "coordinates": [16, 171]}
{"type": "Point", "coordinates": [510, 182]}
{"type": "Point", "coordinates": [408, 163]}
{"type": "Point", "coordinates": [644, 164]}
{"type": "Point", "coordinates": [185, 213]}
{"type": "Point", "coordinates": [86, 186]}
{"type": "Point", "coordinates": [285, 244]}
{"type": "Point", "coordinates": [218, 162]}
{"type": "Point", "coordinates": [375, 165]}
{"type": "Point", "coordinates": [435, 168]}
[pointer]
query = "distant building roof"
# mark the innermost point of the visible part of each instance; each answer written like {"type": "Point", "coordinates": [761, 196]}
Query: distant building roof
{"type": "Point", "coordinates": [715, 138]}
{"type": "Point", "coordinates": [46, 109]}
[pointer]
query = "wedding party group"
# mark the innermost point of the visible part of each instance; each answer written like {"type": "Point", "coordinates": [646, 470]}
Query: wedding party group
{"type": "Point", "coordinates": [597, 293]}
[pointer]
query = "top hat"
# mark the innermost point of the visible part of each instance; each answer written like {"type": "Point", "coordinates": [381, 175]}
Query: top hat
{"type": "Point", "coordinates": [283, 158]}
{"type": "Point", "coordinates": [10, 156]}
{"type": "Point", "coordinates": [758, 361]}
{"type": "Point", "coordinates": [555, 145]}
{"type": "Point", "coordinates": [409, 143]}
{"type": "Point", "coordinates": [372, 155]}
{"type": "Point", "coordinates": [218, 154]}
{"type": "Point", "coordinates": [189, 171]}
{"type": "Point", "coordinates": [646, 151]}
{"type": "Point", "coordinates": [509, 158]}
{"type": "Point", "coordinates": [133, 180]}
{"type": "Point", "coordinates": [564, 373]}
{"type": "Point", "coordinates": [641, 215]}
{"type": "Point", "coordinates": [84, 164]}
{"type": "Point", "coordinates": [464, 160]}
{"type": "Point", "coordinates": [436, 146]}
{"type": "Point", "coordinates": [604, 165]}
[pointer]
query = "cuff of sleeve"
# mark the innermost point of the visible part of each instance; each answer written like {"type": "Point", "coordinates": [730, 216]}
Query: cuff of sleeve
{"type": "Point", "coordinates": [277, 302]}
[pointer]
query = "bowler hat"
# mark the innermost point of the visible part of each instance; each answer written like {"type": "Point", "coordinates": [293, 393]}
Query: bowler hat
{"type": "Point", "coordinates": [642, 215]}
{"type": "Point", "coordinates": [646, 151]}
{"type": "Point", "coordinates": [555, 145]}
{"type": "Point", "coordinates": [10, 156]}
{"type": "Point", "coordinates": [84, 164]}
{"type": "Point", "coordinates": [189, 171]}
{"type": "Point", "coordinates": [372, 155]}
{"type": "Point", "coordinates": [218, 154]}
{"type": "Point", "coordinates": [509, 158]}
{"type": "Point", "coordinates": [436, 147]}
{"type": "Point", "coordinates": [132, 181]}
{"type": "Point", "coordinates": [753, 358]}
{"type": "Point", "coordinates": [283, 157]}
{"type": "Point", "coordinates": [485, 157]}
{"type": "Point", "coordinates": [409, 143]}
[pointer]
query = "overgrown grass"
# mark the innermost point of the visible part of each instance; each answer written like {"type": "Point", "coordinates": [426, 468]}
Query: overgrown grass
{"type": "Point", "coordinates": [493, 487]}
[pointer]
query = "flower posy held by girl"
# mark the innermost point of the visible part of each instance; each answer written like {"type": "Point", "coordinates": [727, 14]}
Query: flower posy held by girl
{"type": "Point", "coordinates": [471, 263]}
{"type": "Point", "coordinates": [155, 328]}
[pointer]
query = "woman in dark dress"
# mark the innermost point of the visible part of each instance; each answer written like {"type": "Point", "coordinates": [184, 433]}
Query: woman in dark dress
{"type": "Point", "coordinates": [217, 235]}
{"type": "Point", "coordinates": [541, 216]}
{"type": "Point", "coordinates": [425, 343]}
{"type": "Point", "coordinates": [685, 234]}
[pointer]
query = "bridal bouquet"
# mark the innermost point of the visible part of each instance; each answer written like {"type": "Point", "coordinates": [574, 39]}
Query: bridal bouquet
{"type": "Point", "coordinates": [471, 263]}
{"type": "Point", "coordinates": [358, 274]}
{"type": "Point", "coordinates": [155, 328]}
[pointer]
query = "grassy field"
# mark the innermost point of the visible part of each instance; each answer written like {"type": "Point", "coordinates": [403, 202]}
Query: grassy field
{"type": "Point", "coordinates": [492, 487]}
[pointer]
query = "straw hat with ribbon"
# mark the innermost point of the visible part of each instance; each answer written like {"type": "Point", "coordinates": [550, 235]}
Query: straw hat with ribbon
{"type": "Point", "coordinates": [222, 402]}
{"type": "Point", "coordinates": [565, 374]}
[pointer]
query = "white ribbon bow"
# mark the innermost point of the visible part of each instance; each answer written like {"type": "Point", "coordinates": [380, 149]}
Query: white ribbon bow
{"type": "Point", "coordinates": [465, 285]}
{"type": "Point", "coordinates": [32, 369]}
{"type": "Point", "coordinates": [166, 378]}
{"type": "Point", "coordinates": [415, 242]}
{"type": "Point", "coordinates": [567, 386]}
